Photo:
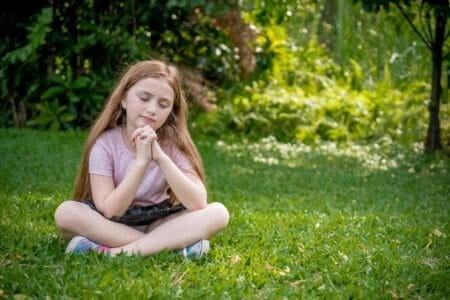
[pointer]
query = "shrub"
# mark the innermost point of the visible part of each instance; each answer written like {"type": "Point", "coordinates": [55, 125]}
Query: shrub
{"type": "Point", "coordinates": [303, 97]}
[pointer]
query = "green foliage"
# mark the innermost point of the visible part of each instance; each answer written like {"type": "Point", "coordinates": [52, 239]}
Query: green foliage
{"type": "Point", "coordinates": [332, 222]}
{"type": "Point", "coordinates": [36, 38]}
{"type": "Point", "coordinates": [303, 89]}
{"type": "Point", "coordinates": [210, 6]}
{"type": "Point", "coordinates": [78, 49]}
{"type": "Point", "coordinates": [22, 63]}
{"type": "Point", "coordinates": [303, 97]}
{"type": "Point", "coordinates": [52, 115]}
{"type": "Point", "coordinates": [428, 19]}
{"type": "Point", "coordinates": [376, 5]}
{"type": "Point", "coordinates": [313, 92]}
{"type": "Point", "coordinates": [69, 102]}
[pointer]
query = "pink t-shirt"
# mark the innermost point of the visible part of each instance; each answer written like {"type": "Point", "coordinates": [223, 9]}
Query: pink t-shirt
{"type": "Point", "coordinates": [111, 157]}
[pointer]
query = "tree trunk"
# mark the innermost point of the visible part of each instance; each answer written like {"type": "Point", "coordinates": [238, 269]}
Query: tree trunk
{"type": "Point", "coordinates": [19, 111]}
{"type": "Point", "coordinates": [243, 37]}
{"type": "Point", "coordinates": [433, 140]}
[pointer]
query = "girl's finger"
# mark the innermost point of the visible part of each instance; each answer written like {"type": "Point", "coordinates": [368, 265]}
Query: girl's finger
{"type": "Point", "coordinates": [149, 133]}
{"type": "Point", "coordinates": [143, 140]}
{"type": "Point", "coordinates": [136, 133]}
{"type": "Point", "coordinates": [146, 135]}
{"type": "Point", "coordinates": [149, 130]}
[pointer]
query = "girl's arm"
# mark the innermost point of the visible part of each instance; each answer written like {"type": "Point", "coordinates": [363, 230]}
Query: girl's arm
{"type": "Point", "coordinates": [188, 188]}
{"type": "Point", "coordinates": [113, 201]}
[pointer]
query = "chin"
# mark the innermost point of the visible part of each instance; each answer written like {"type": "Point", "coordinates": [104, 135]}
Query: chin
{"type": "Point", "coordinates": [154, 126]}
{"type": "Point", "coordinates": [151, 124]}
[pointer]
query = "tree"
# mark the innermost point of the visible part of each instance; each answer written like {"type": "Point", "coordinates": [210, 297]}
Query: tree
{"type": "Point", "coordinates": [428, 19]}
{"type": "Point", "coordinates": [77, 48]}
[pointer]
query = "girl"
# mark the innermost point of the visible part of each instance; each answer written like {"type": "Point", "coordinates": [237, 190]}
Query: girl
{"type": "Point", "coordinates": [141, 188]}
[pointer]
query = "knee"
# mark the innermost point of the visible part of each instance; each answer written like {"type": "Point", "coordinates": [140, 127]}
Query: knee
{"type": "Point", "coordinates": [66, 215]}
{"type": "Point", "coordinates": [219, 215]}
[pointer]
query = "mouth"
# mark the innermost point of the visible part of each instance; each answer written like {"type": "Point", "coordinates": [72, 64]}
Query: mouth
{"type": "Point", "coordinates": [148, 120]}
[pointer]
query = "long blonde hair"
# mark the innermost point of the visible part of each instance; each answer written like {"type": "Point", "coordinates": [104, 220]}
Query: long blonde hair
{"type": "Point", "coordinates": [173, 132]}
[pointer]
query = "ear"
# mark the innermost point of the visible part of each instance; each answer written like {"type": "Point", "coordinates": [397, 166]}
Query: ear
{"type": "Point", "coordinates": [124, 103]}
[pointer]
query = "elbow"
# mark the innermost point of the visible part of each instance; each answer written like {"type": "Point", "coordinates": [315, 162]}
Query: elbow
{"type": "Point", "coordinates": [196, 207]}
{"type": "Point", "coordinates": [106, 211]}
{"type": "Point", "coordinates": [199, 203]}
{"type": "Point", "coordinates": [108, 215]}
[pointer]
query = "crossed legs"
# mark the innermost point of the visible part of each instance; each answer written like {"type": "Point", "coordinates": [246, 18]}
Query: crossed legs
{"type": "Point", "coordinates": [173, 232]}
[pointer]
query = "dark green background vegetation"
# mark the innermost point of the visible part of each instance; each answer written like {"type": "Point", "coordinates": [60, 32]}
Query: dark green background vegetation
{"type": "Point", "coordinates": [324, 70]}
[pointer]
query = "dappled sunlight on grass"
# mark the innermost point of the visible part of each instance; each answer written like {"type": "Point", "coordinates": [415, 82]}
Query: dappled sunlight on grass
{"type": "Point", "coordinates": [379, 156]}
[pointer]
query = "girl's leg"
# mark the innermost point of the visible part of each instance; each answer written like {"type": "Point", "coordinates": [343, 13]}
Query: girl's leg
{"type": "Point", "coordinates": [179, 230]}
{"type": "Point", "coordinates": [75, 218]}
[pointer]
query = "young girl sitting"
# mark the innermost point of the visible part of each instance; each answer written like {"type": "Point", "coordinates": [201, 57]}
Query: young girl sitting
{"type": "Point", "coordinates": [140, 187]}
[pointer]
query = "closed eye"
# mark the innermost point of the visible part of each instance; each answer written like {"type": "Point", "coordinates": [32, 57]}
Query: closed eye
{"type": "Point", "coordinates": [164, 104]}
{"type": "Point", "coordinates": [144, 96]}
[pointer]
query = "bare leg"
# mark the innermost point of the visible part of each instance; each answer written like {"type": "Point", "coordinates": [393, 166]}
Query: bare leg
{"type": "Point", "coordinates": [179, 230]}
{"type": "Point", "coordinates": [75, 218]}
{"type": "Point", "coordinates": [174, 232]}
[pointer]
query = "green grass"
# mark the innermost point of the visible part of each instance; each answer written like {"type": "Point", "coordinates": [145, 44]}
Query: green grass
{"type": "Point", "coordinates": [324, 223]}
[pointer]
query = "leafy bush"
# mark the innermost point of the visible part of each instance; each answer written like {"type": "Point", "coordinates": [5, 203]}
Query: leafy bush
{"type": "Point", "coordinates": [21, 65]}
{"type": "Point", "coordinates": [304, 88]}
{"type": "Point", "coordinates": [334, 115]}
{"type": "Point", "coordinates": [303, 97]}
{"type": "Point", "coordinates": [78, 48]}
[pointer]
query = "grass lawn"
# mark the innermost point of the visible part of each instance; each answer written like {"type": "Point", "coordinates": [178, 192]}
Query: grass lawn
{"type": "Point", "coordinates": [327, 223]}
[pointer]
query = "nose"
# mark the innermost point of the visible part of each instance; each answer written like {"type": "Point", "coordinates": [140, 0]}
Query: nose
{"type": "Point", "coordinates": [151, 107]}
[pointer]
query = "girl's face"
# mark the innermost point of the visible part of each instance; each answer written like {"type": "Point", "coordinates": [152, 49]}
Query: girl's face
{"type": "Point", "coordinates": [148, 102]}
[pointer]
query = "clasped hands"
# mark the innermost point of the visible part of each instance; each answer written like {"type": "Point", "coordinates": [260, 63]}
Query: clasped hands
{"type": "Point", "coordinates": [145, 140]}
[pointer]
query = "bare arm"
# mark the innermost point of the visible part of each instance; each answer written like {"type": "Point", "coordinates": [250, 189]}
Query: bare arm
{"type": "Point", "coordinates": [188, 188]}
{"type": "Point", "coordinates": [113, 201]}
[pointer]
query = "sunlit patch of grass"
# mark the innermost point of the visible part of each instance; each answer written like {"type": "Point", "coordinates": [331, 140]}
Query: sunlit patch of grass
{"type": "Point", "coordinates": [320, 223]}
{"type": "Point", "coordinates": [378, 156]}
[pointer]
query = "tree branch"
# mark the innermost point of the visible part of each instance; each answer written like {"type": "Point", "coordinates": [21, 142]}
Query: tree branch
{"type": "Point", "coordinates": [430, 32]}
{"type": "Point", "coordinates": [426, 28]}
{"type": "Point", "coordinates": [405, 15]}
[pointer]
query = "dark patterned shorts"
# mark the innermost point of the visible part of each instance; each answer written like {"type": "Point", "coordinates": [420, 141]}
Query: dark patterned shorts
{"type": "Point", "coordinates": [142, 215]}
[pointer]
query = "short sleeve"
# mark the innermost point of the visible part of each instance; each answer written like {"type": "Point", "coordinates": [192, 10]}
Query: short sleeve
{"type": "Point", "coordinates": [180, 159]}
{"type": "Point", "coordinates": [100, 160]}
